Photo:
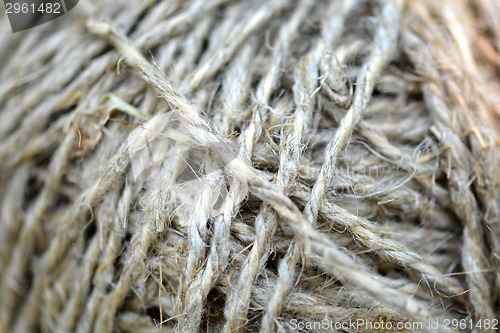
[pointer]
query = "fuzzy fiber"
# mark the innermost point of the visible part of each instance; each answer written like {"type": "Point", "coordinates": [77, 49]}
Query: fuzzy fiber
{"type": "Point", "coordinates": [251, 165]}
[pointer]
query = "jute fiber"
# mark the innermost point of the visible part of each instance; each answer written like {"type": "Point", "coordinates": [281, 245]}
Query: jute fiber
{"type": "Point", "coordinates": [252, 166]}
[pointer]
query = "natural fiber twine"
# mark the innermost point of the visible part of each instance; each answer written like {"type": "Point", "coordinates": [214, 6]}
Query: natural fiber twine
{"type": "Point", "coordinates": [365, 183]}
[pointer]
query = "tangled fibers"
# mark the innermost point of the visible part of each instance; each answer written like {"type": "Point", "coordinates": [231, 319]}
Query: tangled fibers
{"type": "Point", "coordinates": [252, 166]}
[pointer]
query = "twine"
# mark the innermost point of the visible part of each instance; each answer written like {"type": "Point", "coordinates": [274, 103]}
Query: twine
{"type": "Point", "coordinates": [242, 166]}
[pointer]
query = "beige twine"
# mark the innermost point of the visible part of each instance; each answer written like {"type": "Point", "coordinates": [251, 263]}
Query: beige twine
{"type": "Point", "coordinates": [235, 166]}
